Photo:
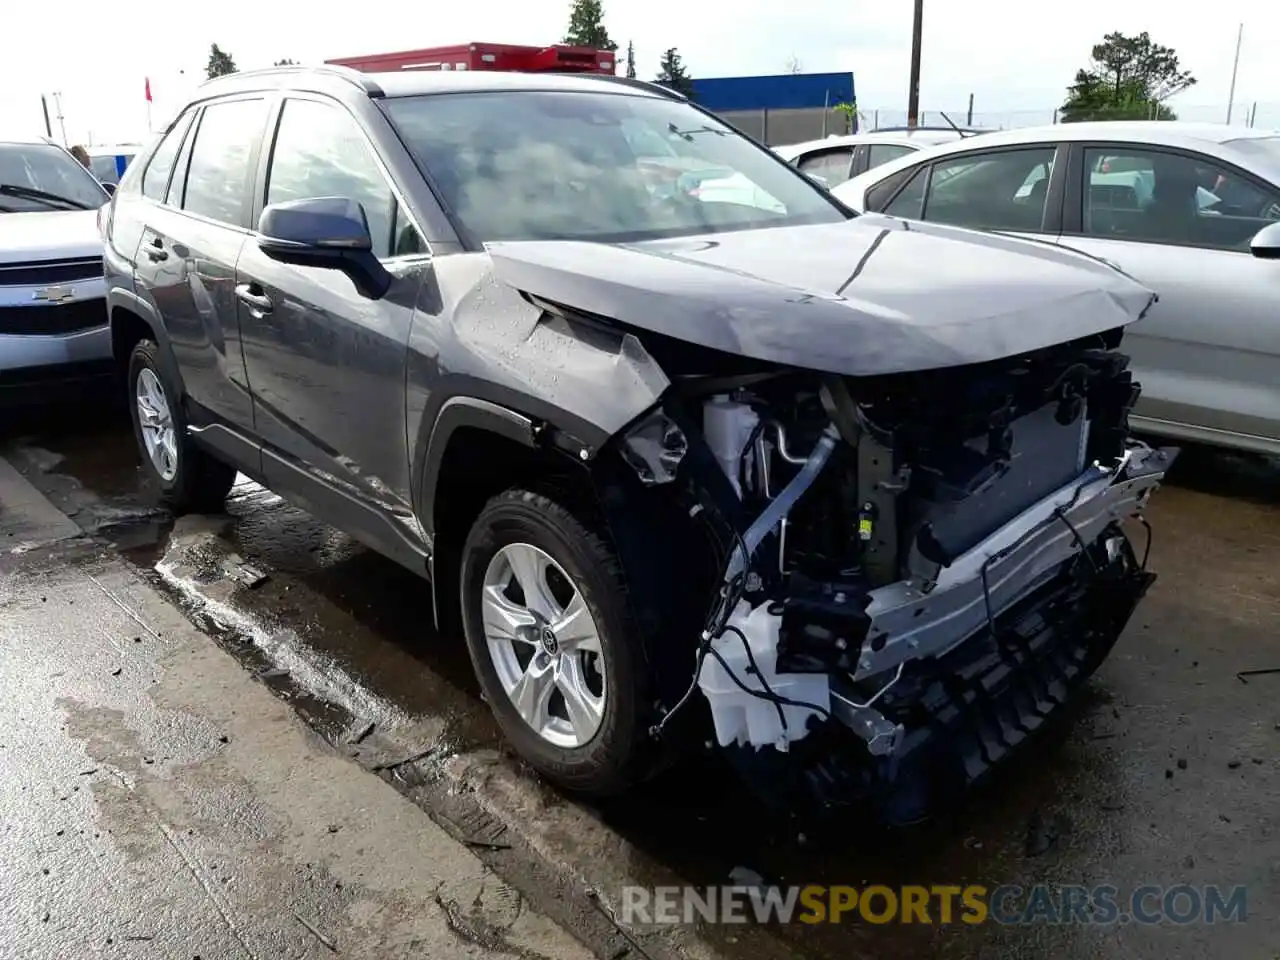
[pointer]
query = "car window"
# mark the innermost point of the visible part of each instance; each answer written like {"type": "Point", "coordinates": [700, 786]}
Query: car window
{"type": "Point", "coordinates": [833, 166]}
{"type": "Point", "coordinates": [155, 179]}
{"type": "Point", "coordinates": [910, 201]}
{"type": "Point", "coordinates": [407, 239]}
{"type": "Point", "coordinates": [1005, 190]}
{"type": "Point", "coordinates": [47, 169]}
{"type": "Point", "coordinates": [884, 152]}
{"type": "Point", "coordinates": [539, 164]}
{"type": "Point", "coordinates": [217, 182]}
{"type": "Point", "coordinates": [320, 151]}
{"type": "Point", "coordinates": [1162, 197]}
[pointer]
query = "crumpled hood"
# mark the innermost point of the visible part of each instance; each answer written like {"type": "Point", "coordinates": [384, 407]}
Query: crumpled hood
{"type": "Point", "coordinates": [872, 295]}
{"type": "Point", "coordinates": [51, 235]}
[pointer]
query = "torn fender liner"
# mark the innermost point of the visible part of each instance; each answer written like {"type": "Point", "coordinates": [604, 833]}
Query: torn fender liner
{"type": "Point", "coordinates": [868, 296]}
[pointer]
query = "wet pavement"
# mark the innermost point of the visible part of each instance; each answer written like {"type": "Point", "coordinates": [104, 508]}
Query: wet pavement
{"type": "Point", "coordinates": [1168, 772]}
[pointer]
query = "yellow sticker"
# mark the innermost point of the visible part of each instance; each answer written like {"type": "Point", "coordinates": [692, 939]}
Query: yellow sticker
{"type": "Point", "coordinates": [864, 528]}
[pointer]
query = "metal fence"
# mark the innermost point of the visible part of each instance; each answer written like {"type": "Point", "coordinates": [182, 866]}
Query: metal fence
{"type": "Point", "coordinates": [1249, 113]}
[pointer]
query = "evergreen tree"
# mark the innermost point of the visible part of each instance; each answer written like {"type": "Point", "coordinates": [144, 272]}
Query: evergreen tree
{"type": "Point", "coordinates": [586, 26]}
{"type": "Point", "coordinates": [674, 74]}
{"type": "Point", "coordinates": [220, 63]}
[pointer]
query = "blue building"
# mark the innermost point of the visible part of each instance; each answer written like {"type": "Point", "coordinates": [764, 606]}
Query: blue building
{"type": "Point", "coordinates": [784, 108]}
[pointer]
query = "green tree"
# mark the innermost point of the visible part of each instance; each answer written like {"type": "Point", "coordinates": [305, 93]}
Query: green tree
{"type": "Point", "coordinates": [286, 62]}
{"type": "Point", "coordinates": [220, 62]}
{"type": "Point", "coordinates": [1129, 78]}
{"type": "Point", "coordinates": [631, 60]}
{"type": "Point", "coordinates": [849, 113]}
{"type": "Point", "coordinates": [674, 74]}
{"type": "Point", "coordinates": [586, 26]}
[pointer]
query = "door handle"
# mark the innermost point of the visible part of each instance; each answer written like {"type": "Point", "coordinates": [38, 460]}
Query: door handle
{"type": "Point", "coordinates": [258, 303]}
{"type": "Point", "coordinates": [156, 251]}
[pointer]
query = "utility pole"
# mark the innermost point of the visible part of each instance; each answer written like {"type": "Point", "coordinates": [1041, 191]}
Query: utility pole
{"type": "Point", "coordinates": [44, 105]}
{"type": "Point", "coordinates": [1235, 66]}
{"type": "Point", "coordinates": [913, 93]}
{"type": "Point", "coordinates": [969, 117]}
{"type": "Point", "coordinates": [62, 123]}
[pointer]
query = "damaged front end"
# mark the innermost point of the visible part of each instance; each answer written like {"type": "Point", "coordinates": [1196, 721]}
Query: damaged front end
{"type": "Point", "coordinates": [916, 568]}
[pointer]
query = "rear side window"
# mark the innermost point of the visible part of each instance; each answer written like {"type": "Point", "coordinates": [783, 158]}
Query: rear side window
{"type": "Point", "coordinates": [156, 177]}
{"type": "Point", "coordinates": [222, 159]}
{"type": "Point", "coordinates": [833, 166]}
{"type": "Point", "coordinates": [884, 152]}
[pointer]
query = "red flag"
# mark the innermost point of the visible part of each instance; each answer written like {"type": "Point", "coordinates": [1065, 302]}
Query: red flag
{"type": "Point", "coordinates": [148, 82]}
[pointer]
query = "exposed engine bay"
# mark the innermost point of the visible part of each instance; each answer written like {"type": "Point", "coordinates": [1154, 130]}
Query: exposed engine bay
{"type": "Point", "coordinates": [929, 561]}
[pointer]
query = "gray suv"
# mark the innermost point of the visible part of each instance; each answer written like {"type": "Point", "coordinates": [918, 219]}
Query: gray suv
{"type": "Point", "coordinates": [839, 496]}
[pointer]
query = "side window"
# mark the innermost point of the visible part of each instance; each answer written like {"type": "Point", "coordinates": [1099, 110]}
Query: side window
{"type": "Point", "coordinates": [910, 201]}
{"type": "Point", "coordinates": [320, 152]}
{"type": "Point", "coordinates": [407, 239]}
{"type": "Point", "coordinates": [884, 152]}
{"type": "Point", "coordinates": [1185, 199]}
{"type": "Point", "coordinates": [997, 191]}
{"type": "Point", "coordinates": [155, 179]}
{"type": "Point", "coordinates": [831, 165]}
{"type": "Point", "coordinates": [218, 176]}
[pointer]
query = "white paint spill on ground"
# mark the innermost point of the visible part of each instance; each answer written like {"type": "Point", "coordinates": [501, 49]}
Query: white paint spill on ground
{"type": "Point", "coordinates": [316, 674]}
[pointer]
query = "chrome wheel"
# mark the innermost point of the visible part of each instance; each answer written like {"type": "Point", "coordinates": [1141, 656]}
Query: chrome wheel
{"type": "Point", "coordinates": [544, 645]}
{"type": "Point", "coordinates": [156, 423]}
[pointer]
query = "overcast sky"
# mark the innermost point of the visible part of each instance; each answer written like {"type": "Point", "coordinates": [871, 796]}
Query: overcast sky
{"type": "Point", "coordinates": [1011, 54]}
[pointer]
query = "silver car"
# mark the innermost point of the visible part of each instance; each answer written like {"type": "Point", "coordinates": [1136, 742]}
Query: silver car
{"type": "Point", "coordinates": [1190, 210]}
{"type": "Point", "coordinates": [53, 315]}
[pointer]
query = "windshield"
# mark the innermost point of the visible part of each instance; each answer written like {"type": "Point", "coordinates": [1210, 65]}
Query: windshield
{"type": "Point", "coordinates": [598, 166]}
{"type": "Point", "coordinates": [30, 169]}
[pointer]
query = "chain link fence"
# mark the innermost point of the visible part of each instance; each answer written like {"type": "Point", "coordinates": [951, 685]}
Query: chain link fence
{"type": "Point", "coordinates": [1248, 113]}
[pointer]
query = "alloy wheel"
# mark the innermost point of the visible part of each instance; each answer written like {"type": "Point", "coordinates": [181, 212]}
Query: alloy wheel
{"type": "Point", "coordinates": [544, 645]}
{"type": "Point", "coordinates": [156, 423]}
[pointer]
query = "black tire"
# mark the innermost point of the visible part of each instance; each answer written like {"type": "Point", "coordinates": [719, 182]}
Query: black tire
{"type": "Point", "coordinates": [200, 483]}
{"type": "Point", "coordinates": [612, 760]}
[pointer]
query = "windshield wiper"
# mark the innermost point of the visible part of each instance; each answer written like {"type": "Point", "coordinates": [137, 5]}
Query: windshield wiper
{"type": "Point", "coordinates": [31, 193]}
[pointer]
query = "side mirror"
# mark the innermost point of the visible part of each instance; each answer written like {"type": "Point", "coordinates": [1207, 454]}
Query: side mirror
{"type": "Point", "coordinates": [1266, 242]}
{"type": "Point", "coordinates": [820, 181]}
{"type": "Point", "coordinates": [324, 232]}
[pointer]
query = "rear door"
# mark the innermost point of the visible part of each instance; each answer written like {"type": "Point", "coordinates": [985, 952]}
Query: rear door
{"type": "Point", "coordinates": [327, 364]}
{"type": "Point", "coordinates": [1208, 354]}
{"type": "Point", "coordinates": [195, 226]}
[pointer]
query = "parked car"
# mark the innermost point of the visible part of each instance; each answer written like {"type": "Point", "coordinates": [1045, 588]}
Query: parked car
{"type": "Point", "coordinates": [834, 159]}
{"type": "Point", "coordinates": [662, 457]}
{"type": "Point", "coordinates": [1187, 209]}
{"type": "Point", "coordinates": [53, 317]}
{"type": "Point", "coordinates": [109, 162]}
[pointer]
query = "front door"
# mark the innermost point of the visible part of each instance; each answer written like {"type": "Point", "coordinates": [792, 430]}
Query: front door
{"type": "Point", "coordinates": [1208, 353]}
{"type": "Point", "coordinates": [327, 364]}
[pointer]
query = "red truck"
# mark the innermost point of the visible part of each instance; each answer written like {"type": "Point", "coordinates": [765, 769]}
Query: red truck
{"type": "Point", "coordinates": [488, 56]}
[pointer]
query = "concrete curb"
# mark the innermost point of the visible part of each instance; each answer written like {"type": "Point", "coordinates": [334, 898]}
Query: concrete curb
{"type": "Point", "coordinates": [27, 519]}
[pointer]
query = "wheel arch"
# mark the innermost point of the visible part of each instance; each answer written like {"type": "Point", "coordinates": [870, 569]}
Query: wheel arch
{"type": "Point", "coordinates": [133, 319]}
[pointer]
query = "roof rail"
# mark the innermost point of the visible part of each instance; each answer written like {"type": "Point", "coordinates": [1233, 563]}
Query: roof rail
{"type": "Point", "coordinates": [355, 77]}
{"type": "Point", "coordinates": [647, 85]}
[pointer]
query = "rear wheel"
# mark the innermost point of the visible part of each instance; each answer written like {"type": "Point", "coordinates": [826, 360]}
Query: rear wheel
{"type": "Point", "coordinates": [189, 479]}
{"type": "Point", "coordinates": [552, 641]}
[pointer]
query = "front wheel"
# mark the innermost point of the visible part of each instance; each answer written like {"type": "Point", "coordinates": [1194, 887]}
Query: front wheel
{"type": "Point", "coordinates": [553, 643]}
{"type": "Point", "coordinates": [189, 478]}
